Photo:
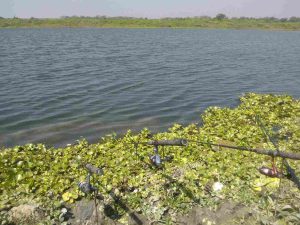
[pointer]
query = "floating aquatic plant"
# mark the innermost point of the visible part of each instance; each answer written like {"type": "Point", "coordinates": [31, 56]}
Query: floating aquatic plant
{"type": "Point", "coordinates": [49, 176]}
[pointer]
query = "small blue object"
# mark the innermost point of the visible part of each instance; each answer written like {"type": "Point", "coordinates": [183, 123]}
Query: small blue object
{"type": "Point", "coordinates": [86, 187]}
{"type": "Point", "coordinates": [156, 160]}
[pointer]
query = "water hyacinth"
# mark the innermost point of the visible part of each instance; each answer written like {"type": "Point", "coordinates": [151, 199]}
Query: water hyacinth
{"type": "Point", "coordinates": [49, 176]}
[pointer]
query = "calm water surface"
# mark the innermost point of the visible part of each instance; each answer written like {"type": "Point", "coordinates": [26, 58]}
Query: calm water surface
{"type": "Point", "coordinates": [57, 85]}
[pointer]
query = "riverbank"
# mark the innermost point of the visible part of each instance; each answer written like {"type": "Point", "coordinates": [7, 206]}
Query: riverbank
{"type": "Point", "coordinates": [199, 23]}
{"type": "Point", "coordinates": [200, 179]}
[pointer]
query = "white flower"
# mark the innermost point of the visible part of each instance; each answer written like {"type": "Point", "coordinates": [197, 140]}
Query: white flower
{"type": "Point", "coordinates": [217, 186]}
{"type": "Point", "coordinates": [64, 210]}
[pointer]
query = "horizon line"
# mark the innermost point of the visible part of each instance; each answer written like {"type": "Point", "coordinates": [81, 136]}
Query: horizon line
{"type": "Point", "coordinates": [133, 17]}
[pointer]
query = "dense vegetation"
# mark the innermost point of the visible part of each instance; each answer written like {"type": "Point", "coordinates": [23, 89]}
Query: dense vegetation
{"type": "Point", "coordinates": [49, 177]}
{"type": "Point", "coordinates": [220, 21]}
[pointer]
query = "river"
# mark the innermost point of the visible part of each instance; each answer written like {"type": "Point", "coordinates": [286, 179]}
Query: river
{"type": "Point", "coordinates": [58, 85]}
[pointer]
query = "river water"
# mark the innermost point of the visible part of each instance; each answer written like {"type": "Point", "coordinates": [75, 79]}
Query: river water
{"type": "Point", "coordinates": [57, 85]}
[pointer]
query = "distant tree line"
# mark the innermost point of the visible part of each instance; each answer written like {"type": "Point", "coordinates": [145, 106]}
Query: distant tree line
{"type": "Point", "coordinates": [219, 21]}
{"type": "Point", "coordinates": [104, 17]}
{"type": "Point", "coordinates": [222, 16]}
{"type": "Point", "coordinates": [219, 16]}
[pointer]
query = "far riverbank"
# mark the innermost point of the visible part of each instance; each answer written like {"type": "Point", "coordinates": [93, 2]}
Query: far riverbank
{"type": "Point", "coordinates": [124, 22]}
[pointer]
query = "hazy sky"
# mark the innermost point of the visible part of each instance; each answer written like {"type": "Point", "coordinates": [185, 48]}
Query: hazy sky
{"type": "Point", "coordinates": [149, 8]}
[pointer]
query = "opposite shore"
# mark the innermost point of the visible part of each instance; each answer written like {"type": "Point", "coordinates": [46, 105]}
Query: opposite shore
{"type": "Point", "coordinates": [292, 24]}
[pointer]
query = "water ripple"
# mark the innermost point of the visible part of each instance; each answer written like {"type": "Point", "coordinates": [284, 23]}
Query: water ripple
{"type": "Point", "coordinates": [57, 85]}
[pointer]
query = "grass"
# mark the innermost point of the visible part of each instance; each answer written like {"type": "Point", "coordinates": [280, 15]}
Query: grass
{"type": "Point", "coordinates": [119, 22]}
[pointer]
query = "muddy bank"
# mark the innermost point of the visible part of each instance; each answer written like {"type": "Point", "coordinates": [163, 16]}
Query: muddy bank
{"type": "Point", "coordinates": [84, 213]}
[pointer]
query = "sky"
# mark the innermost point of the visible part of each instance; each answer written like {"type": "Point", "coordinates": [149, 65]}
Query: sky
{"type": "Point", "coordinates": [149, 8]}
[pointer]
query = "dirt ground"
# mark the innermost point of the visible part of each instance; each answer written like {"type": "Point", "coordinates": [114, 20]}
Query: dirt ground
{"type": "Point", "coordinates": [227, 213]}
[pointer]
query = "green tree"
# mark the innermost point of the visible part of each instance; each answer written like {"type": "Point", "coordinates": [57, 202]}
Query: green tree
{"type": "Point", "coordinates": [283, 20]}
{"type": "Point", "coordinates": [221, 16]}
{"type": "Point", "coordinates": [294, 19]}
